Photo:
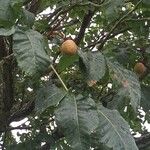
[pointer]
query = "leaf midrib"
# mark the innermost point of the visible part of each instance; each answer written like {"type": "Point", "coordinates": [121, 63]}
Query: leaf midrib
{"type": "Point", "coordinates": [77, 119]}
{"type": "Point", "coordinates": [113, 127]}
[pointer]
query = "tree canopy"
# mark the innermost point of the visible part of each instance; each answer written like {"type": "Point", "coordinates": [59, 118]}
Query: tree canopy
{"type": "Point", "coordinates": [89, 93]}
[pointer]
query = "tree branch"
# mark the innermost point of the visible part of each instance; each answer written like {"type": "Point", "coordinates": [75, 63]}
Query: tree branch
{"type": "Point", "coordinates": [7, 73]}
{"type": "Point", "coordinates": [6, 89]}
{"type": "Point", "coordinates": [93, 44]}
{"type": "Point", "coordinates": [26, 2]}
{"type": "Point", "coordinates": [54, 13]}
{"type": "Point", "coordinates": [33, 6]}
{"type": "Point", "coordinates": [85, 23]}
{"type": "Point", "coordinates": [116, 25]}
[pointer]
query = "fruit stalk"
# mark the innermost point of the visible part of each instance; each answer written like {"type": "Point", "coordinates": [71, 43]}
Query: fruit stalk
{"type": "Point", "coordinates": [62, 82]}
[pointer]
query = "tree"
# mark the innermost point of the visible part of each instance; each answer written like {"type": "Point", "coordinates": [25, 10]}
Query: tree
{"type": "Point", "coordinates": [89, 100]}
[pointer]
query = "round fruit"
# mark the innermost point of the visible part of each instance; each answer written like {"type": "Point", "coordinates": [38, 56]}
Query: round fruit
{"type": "Point", "coordinates": [140, 68]}
{"type": "Point", "coordinates": [69, 47]}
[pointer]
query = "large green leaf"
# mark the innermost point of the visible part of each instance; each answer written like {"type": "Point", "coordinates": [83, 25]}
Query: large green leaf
{"type": "Point", "coordinates": [92, 64]}
{"type": "Point", "coordinates": [48, 95]}
{"type": "Point", "coordinates": [30, 50]}
{"type": "Point", "coordinates": [114, 131]}
{"type": "Point", "coordinates": [77, 118]}
{"type": "Point", "coordinates": [128, 80]}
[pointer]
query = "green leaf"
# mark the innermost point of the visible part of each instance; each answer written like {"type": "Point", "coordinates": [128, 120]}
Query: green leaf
{"type": "Point", "coordinates": [27, 18]}
{"type": "Point", "coordinates": [7, 31]}
{"type": "Point", "coordinates": [145, 101]}
{"type": "Point", "coordinates": [47, 96]}
{"type": "Point", "coordinates": [9, 11]}
{"type": "Point", "coordinates": [114, 131]}
{"type": "Point", "coordinates": [140, 29]}
{"type": "Point", "coordinates": [148, 50]}
{"type": "Point", "coordinates": [30, 50]}
{"type": "Point", "coordinates": [77, 118]}
{"type": "Point", "coordinates": [120, 99]}
{"type": "Point", "coordinates": [93, 65]}
{"type": "Point", "coordinates": [111, 8]}
{"type": "Point", "coordinates": [128, 80]}
{"type": "Point", "coordinates": [66, 61]}
{"type": "Point", "coordinates": [146, 2]}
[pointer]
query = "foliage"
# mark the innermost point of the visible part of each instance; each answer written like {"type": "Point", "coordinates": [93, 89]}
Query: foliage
{"type": "Point", "coordinates": [91, 100]}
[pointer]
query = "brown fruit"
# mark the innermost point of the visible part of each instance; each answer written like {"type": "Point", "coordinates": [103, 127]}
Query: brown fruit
{"type": "Point", "coordinates": [69, 47]}
{"type": "Point", "coordinates": [140, 68]}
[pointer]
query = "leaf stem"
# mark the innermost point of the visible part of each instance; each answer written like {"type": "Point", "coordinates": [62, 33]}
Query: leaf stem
{"type": "Point", "coordinates": [62, 82]}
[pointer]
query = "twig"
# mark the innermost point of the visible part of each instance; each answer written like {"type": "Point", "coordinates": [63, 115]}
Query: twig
{"type": "Point", "coordinates": [93, 44]}
{"type": "Point", "coordinates": [73, 22]}
{"type": "Point", "coordinates": [65, 87]}
{"type": "Point", "coordinates": [116, 25]}
{"type": "Point", "coordinates": [18, 128]}
{"type": "Point", "coordinates": [138, 19]}
{"type": "Point", "coordinates": [59, 22]}
{"type": "Point", "coordinates": [6, 58]}
{"type": "Point", "coordinates": [60, 13]}
{"type": "Point", "coordinates": [54, 13]}
{"type": "Point", "coordinates": [90, 4]}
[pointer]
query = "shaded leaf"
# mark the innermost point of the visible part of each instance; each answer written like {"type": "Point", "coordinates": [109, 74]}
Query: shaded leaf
{"type": "Point", "coordinates": [119, 100]}
{"type": "Point", "coordinates": [9, 11]}
{"type": "Point", "coordinates": [27, 18]}
{"type": "Point", "coordinates": [111, 8]}
{"type": "Point", "coordinates": [47, 96]}
{"type": "Point", "coordinates": [146, 2]}
{"type": "Point", "coordinates": [92, 64]}
{"type": "Point", "coordinates": [145, 101]}
{"type": "Point", "coordinates": [30, 50]}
